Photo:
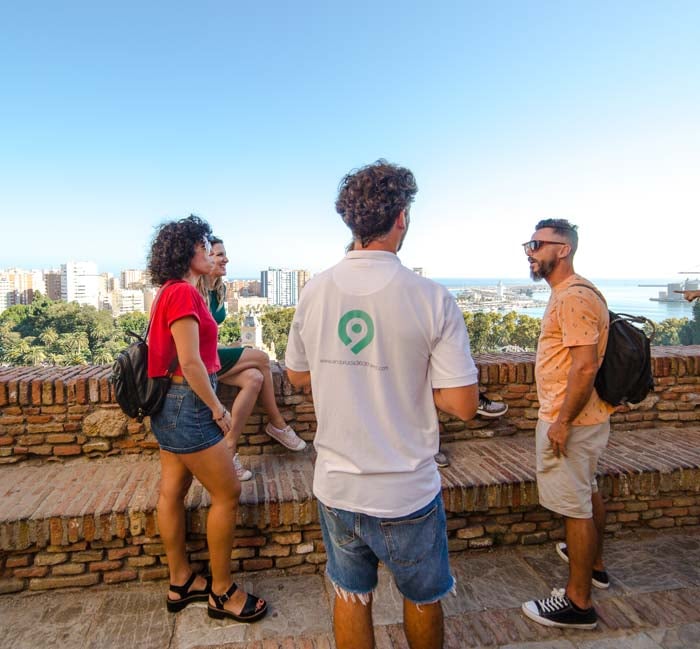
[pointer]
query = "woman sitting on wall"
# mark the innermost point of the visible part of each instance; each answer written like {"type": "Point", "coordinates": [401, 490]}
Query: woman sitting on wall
{"type": "Point", "coordinates": [247, 369]}
{"type": "Point", "coordinates": [190, 428]}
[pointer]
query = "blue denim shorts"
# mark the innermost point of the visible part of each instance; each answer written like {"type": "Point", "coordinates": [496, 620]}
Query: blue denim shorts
{"type": "Point", "coordinates": [185, 423]}
{"type": "Point", "coordinates": [413, 548]}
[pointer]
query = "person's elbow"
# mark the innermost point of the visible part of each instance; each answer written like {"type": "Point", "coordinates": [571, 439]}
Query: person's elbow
{"type": "Point", "coordinates": [586, 370]}
{"type": "Point", "coordinates": [460, 402]}
{"type": "Point", "coordinates": [468, 408]}
{"type": "Point", "coordinates": [190, 366]}
{"type": "Point", "coordinates": [299, 379]}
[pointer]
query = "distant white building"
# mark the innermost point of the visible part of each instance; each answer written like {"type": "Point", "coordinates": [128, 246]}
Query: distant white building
{"type": "Point", "coordinates": [19, 286]}
{"type": "Point", "coordinates": [133, 278]}
{"type": "Point", "coordinates": [80, 282]}
{"type": "Point", "coordinates": [129, 300]}
{"type": "Point", "coordinates": [280, 286]}
{"type": "Point", "coordinates": [240, 303]}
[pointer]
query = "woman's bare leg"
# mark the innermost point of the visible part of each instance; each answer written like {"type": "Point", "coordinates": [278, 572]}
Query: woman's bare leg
{"type": "Point", "coordinates": [175, 480]}
{"type": "Point", "coordinates": [250, 380]}
{"type": "Point", "coordinates": [259, 360]}
{"type": "Point", "coordinates": [214, 469]}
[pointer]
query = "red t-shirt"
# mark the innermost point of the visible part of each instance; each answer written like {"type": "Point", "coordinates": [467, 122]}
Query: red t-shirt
{"type": "Point", "coordinates": [174, 301]}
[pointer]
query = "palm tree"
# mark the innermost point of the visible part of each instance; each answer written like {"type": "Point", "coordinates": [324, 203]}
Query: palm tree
{"type": "Point", "coordinates": [18, 350]}
{"type": "Point", "coordinates": [102, 357]}
{"type": "Point", "coordinates": [75, 343]}
{"type": "Point", "coordinates": [35, 356]}
{"type": "Point", "coordinates": [49, 337]}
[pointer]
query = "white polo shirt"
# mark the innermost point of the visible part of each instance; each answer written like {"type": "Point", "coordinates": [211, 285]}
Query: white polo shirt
{"type": "Point", "coordinates": [377, 338]}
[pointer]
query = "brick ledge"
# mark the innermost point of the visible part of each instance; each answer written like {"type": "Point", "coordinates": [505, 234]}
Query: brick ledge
{"type": "Point", "coordinates": [60, 504]}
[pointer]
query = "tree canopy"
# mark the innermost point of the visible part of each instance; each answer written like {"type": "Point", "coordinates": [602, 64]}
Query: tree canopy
{"type": "Point", "coordinates": [50, 332]}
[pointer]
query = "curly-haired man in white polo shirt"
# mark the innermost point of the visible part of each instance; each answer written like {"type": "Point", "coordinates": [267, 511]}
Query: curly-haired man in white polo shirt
{"type": "Point", "coordinates": [381, 347]}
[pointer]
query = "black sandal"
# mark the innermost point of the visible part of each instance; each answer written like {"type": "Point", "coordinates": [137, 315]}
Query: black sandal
{"type": "Point", "coordinates": [249, 613]}
{"type": "Point", "coordinates": [188, 596]}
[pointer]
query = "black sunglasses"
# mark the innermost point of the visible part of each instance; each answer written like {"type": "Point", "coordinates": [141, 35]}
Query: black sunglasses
{"type": "Point", "coordinates": [536, 244]}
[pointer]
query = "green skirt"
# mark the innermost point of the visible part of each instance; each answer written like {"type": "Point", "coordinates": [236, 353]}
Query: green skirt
{"type": "Point", "coordinates": [228, 357]}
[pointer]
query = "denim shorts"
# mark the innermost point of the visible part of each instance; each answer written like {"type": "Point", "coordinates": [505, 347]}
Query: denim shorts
{"type": "Point", "coordinates": [185, 423]}
{"type": "Point", "coordinates": [413, 548]}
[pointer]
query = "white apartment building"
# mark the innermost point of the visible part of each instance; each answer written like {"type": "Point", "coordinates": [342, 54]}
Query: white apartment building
{"type": "Point", "coordinates": [133, 278]}
{"type": "Point", "coordinates": [129, 300]}
{"type": "Point", "coordinates": [80, 282]}
{"type": "Point", "coordinates": [19, 286]}
{"type": "Point", "coordinates": [240, 303]}
{"type": "Point", "coordinates": [279, 286]}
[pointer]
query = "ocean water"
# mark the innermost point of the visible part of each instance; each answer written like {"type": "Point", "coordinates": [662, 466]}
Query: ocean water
{"type": "Point", "coordinates": [623, 295]}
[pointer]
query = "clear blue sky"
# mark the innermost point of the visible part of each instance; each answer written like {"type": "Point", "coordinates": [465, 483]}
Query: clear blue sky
{"type": "Point", "coordinates": [116, 116]}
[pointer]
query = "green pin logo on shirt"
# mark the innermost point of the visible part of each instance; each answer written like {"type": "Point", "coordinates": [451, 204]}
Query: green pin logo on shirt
{"type": "Point", "coordinates": [357, 329]}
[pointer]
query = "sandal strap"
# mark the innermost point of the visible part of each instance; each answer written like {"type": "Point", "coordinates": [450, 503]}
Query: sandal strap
{"type": "Point", "coordinates": [184, 589]}
{"type": "Point", "coordinates": [250, 607]}
{"type": "Point", "coordinates": [222, 599]}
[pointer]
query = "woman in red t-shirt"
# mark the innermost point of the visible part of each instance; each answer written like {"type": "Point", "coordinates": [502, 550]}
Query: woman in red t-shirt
{"type": "Point", "coordinates": [190, 428]}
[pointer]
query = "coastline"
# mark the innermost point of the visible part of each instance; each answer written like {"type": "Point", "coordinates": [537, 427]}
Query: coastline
{"type": "Point", "coordinates": [634, 296]}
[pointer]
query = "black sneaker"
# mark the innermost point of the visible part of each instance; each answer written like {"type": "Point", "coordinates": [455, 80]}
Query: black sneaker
{"type": "Point", "coordinates": [558, 611]}
{"type": "Point", "coordinates": [600, 578]}
{"type": "Point", "coordinates": [492, 409]}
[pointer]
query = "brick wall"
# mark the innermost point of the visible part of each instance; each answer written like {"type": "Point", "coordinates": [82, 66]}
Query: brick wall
{"type": "Point", "coordinates": [297, 549]}
{"type": "Point", "coordinates": [57, 413]}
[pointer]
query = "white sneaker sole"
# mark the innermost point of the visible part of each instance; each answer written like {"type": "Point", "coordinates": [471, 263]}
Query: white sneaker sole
{"type": "Point", "coordinates": [535, 617]}
{"type": "Point", "coordinates": [492, 415]}
{"type": "Point", "coordinates": [299, 445]}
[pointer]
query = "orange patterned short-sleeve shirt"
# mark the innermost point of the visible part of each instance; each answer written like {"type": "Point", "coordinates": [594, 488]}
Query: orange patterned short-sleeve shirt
{"type": "Point", "coordinates": [575, 316]}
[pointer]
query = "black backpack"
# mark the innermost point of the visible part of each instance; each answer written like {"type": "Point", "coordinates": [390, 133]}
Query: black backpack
{"type": "Point", "coordinates": [137, 394]}
{"type": "Point", "coordinates": [625, 375]}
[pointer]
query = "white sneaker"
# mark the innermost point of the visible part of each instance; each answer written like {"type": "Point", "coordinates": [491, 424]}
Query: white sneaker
{"type": "Point", "coordinates": [492, 409]}
{"type": "Point", "coordinates": [242, 473]}
{"type": "Point", "coordinates": [286, 436]}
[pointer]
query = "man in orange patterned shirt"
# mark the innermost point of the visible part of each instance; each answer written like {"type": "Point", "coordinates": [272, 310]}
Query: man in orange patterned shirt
{"type": "Point", "coordinates": [573, 423]}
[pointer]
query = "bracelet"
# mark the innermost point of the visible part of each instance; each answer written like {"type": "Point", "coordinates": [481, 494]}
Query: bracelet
{"type": "Point", "coordinates": [223, 414]}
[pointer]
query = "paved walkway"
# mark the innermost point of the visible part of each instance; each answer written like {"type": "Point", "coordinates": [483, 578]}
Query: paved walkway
{"type": "Point", "coordinates": [653, 603]}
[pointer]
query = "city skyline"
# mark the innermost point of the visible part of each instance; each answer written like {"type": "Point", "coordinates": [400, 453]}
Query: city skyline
{"type": "Point", "coordinates": [131, 290]}
{"type": "Point", "coordinates": [116, 118]}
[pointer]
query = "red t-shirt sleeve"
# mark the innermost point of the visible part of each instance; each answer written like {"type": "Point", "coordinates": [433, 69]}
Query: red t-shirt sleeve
{"type": "Point", "coordinates": [174, 302]}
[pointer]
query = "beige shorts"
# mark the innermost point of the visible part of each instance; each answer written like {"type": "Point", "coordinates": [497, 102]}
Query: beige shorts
{"type": "Point", "coordinates": [565, 484]}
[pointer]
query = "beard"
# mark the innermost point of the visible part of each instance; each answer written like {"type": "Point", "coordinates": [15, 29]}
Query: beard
{"type": "Point", "coordinates": [545, 269]}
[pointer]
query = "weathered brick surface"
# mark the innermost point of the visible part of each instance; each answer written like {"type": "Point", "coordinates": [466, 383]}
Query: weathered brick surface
{"type": "Point", "coordinates": [78, 522]}
{"type": "Point", "coordinates": [40, 408]}
{"type": "Point", "coordinates": [91, 518]}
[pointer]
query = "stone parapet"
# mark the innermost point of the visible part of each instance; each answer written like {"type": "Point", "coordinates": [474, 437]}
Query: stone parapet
{"type": "Point", "coordinates": [55, 414]}
{"type": "Point", "coordinates": [86, 522]}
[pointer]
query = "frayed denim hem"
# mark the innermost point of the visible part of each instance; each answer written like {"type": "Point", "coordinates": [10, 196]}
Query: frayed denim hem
{"type": "Point", "coordinates": [364, 598]}
{"type": "Point", "coordinates": [452, 590]}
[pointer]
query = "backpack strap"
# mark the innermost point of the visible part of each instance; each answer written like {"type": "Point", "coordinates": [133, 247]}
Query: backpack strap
{"type": "Point", "coordinates": [594, 289]}
{"type": "Point", "coordinates": [616, 317]}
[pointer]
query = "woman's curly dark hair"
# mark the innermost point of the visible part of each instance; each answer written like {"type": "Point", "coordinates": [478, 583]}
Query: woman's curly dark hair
{"type": "Point", "coordinates": [370, 199]}
{"type": "Point", "coordinates": [173, 248]}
